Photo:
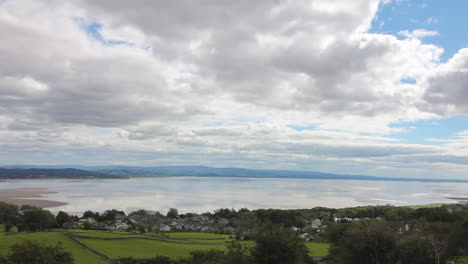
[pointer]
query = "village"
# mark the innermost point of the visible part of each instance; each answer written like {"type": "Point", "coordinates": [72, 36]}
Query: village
{"type": "Point", "coordinates": [154, 222]}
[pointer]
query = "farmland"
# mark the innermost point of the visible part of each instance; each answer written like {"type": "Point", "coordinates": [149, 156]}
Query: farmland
{"type": "Point", "coordinates": [97, 246]}
{"type": "Point", "coordinates": [82, 256]}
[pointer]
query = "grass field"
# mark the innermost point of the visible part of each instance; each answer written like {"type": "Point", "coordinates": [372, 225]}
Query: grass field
{"type": "Point", "coordinates": [141, 248]}
{"type": "Point", "coordinates": [82, 256]}
{"type": "Point", "coordinates": [434, 205]}
{"type": "Point", "coordinates": [461, 260]}
{"type": "Point", "coordinates": [174, 245]}
{"type": "Point", "coordinates": [100, 234]}
{"type": "Point", "coordinates": [195, 235]}
{"type": "Point", "coordinates": [13, 229]}
{"type": "Point", "coordinates": [317, 249]}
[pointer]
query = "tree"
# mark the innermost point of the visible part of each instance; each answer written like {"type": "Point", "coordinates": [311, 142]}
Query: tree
{"type": "Point", "coordinates": [87, 225]}
{"type": "Point", "coordinates": [412, 250]}
{"type": "Point", "coordinates": [130, 260]}
{"type": "Point", "coordinates": [173, 213]}
{"type": "Point", "coordinates": [109, 215]}
{"type": "Point", "coordinates": [436, 241]}
{"type": "Point", "coordinates": [245, 222]}
{"type": "Point", "coordinates": [458, 242]}
{"type": "Point", "coordinates": [366, 242]}
{"type": "Point", "coordinates": [35, 219]}
{"type": "Point", "coordinates": [436, 214]}
{"type": "Point", "coordinates": [29, 252]}
{"type": "Point", "coordinates": [275, 244]}
{"type": "Point", "coordinates": [62, 218]}
{"type": "Point", "coordinates": [8, 215]}
{"type": "Point", "coordinates": [238, 253]}
{"type": "Point", "coordinates": [335, 231]}
{"type": "Point", "coordinates": [91, 214]}
{"type": "Point", "coordinates": [212, 256]}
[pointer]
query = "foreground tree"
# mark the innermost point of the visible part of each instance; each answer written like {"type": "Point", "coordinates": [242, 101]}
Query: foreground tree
{"type": "Point", "coordinates": [458, 241]}
{"type": "Point", "coordinates": [412, 250]}
{"type": "Point", "coordinates": [30, 252]}
{"type": "Point", "coordinates": [236, 253]}
{"type": "Point", "coordinates": [276, 244]}
{"type": "Point", "coordinates": [436, 241]}
{"type": "Point", "coordinates": [366, 242]}
{"type": "Point", "coordinates": [155, 260]}
{"type": "Point", "coordinates": [211, 256]}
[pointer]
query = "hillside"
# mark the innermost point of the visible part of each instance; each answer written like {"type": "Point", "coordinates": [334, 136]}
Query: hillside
{"type": "Point", "coordinates": [79, 171]}
{"type": "Point", "coordinates": [203, 171]}
{"type": "Point", "coordinates": [68, 173]}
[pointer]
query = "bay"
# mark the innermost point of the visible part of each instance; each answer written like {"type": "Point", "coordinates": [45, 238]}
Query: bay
{"type": "Point", "coordinates": [202, 194]}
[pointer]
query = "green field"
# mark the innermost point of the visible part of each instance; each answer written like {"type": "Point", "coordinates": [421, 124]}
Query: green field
{"type": "Point", "coordinates": [2, 229]}
{"type": "Point", "coordinates": [318, 249]}
{"type": "Point", "coordinates": [100, 234]}
{"type": "Point", "coordinates": [123, 244]}
{"type": "Point", "coordinates": [434, 205]}
{"type": "Point", "coordinates": [461, 260]}
{"type": "Point", "coordinates": [196, 235]}
{"type": "Point", "coordinates": [141, 248]}
{"type": "Point", "coordinates": [82, 256]}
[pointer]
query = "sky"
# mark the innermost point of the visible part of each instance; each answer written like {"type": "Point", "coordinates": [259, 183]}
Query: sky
{"type": "Point", "coordinates": [371, 87]}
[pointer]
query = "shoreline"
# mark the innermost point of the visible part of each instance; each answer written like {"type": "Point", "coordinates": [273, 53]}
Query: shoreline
{"type": "Point", "coordinates": [28, 196]}
{"type": "Point", "coordinates": [246, 177]}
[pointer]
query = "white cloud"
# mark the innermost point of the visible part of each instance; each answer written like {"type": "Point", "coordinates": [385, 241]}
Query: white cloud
{"type": "Point", "coordinates": [418, 33]}
{"type": "Point", "coordinates": [165, 70]}
{"type": "Point", "coordinates": [447, 86]}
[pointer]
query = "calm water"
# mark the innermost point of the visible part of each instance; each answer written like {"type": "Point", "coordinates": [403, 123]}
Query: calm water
{"type": "Point", "coordinates": [207, 194]}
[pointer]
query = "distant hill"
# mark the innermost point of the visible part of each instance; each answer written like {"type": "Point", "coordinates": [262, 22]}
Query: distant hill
{"type": "Point", "coordinates": [203, 171]}
{"type": "Point", "coordinates": [37, 173]}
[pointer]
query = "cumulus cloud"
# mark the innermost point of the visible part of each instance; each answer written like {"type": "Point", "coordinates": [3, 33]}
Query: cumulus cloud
{"type": "Point", "coordinates": [150, 82]}
{"type": "Point", "coordinates": [448, 86]}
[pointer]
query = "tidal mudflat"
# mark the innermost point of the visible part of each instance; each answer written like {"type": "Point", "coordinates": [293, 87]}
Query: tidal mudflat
{"type": "Point", "coordinates": [201, 194]}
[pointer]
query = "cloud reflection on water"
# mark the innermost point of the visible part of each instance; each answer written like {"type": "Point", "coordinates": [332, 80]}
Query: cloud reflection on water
{"type": "Point", "coordinates": [208, 194]}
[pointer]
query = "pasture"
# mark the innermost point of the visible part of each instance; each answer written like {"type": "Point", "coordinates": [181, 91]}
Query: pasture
{"type": "Point", "coordinates": [91, 246]}
{"type": "Point", "coordinates": [82, 255]}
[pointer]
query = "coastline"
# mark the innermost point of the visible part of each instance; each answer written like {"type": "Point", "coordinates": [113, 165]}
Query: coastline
{"type": "Point", "coordinates": [380, 179]}
{"type": "Point", "coordinates": [38, 191]}
{"type": "Point", "coordinates": [28, 196]}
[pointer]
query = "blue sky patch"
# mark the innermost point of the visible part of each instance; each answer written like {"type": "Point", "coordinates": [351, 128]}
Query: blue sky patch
{"type": "Point", "coordinates": [302, 128]}
{"type": "Point", "coordinates": [448, 18]}
{"type": "Point", "coordinates": [93, 29]}
{"type": "Point", "coordinates": [408, 81]}
{"type": "Point", "coordinates": [418, 132]}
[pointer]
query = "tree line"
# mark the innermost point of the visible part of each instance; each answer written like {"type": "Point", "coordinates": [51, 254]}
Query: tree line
{"type": "Point", "coordinates": [368, 235]}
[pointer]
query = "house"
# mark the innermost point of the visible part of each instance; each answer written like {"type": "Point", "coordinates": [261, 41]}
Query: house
{"type": "Point", "coordinates": [314, 225]}
{"type": "Point", "coordinates": [68, 226]}
{"type": "Point", "coordinates": [118, 226]}
{"type": "Point", "coordinates": [165, 228]}
{"type": "Point", "coordinates": [120, 217]}
{"type": "Point", "coordinates": [89, 220]}
{"type": "Point", "coordinates": [305, 236]}
{"type": "Point", "coordinates": [229, 230]}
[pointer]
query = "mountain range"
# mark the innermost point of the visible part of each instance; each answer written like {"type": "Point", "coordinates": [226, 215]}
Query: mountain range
{"type": "Point", "coordinates": [79, 172]}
